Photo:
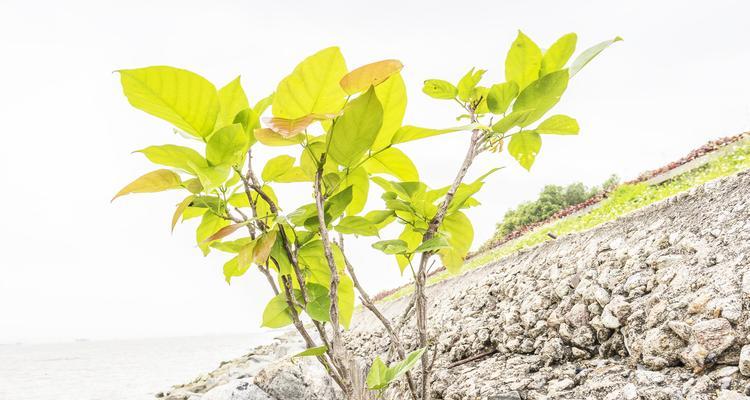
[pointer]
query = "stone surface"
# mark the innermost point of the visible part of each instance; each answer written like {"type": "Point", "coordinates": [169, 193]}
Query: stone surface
{"type": "Point", "coordinates": [651, 306]}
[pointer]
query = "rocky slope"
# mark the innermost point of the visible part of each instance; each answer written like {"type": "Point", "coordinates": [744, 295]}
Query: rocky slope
{"type": "Point", "coordinates": [655, 305]}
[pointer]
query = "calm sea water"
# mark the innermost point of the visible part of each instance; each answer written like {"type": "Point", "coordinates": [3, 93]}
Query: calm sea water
{"type": "Point", "coordinates": [114, 370]}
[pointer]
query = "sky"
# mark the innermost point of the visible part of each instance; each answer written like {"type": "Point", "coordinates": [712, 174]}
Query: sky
{"type": "Point", "coordinates": [74, 265]}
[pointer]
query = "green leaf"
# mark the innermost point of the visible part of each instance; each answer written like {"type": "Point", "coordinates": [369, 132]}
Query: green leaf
{"type": "Point", "coordinates": [318, 302]}
{"type": "Point", "coordinates": [376, 377]}
{"type": "Point", "coordinates": [440, 89]}
{"type": "Point", "coordinates": [373, 74]}
{"type": "Point", "coordinates": [276, 167]}
{"type": "Point", "coordinates": [558, 54]}
{"type": "Point", "coordinates": [227, 146]}
{"type": "Point", "coordinates": [515, 118]}
{"type": "Point", "coordinates": [357, 226]}
{"type": "Point", "coordinates": [356, 130]}
{"type": "Point", "coordinates": [500, 96]}
{"type": "Point", "coordinates": [392, 96]}
{"type": "Point", "coordinates": [313, 87]}
{"type": "Point", "coordinates": [232, 100]}
{"type": "Point", "coordinates": [523, 61]}
{"type": "Point", "coordinates": [294, 174]}
{"type": "Point", "coordinates": [400, 368]}
{"type": "Point", "coordinates": [263, 104]}
{"type": "Point", "coordinates": [394, 162]}
{"type": "Point", "coordinates": [468, 82]}
{"type": "Point", "coordinates": [336, 205]}
{"type": "Point", "coordinates": [232, 246]}
{"type": "Point", "coordinates": [208, 226]}
{"type": "Point", "coordinates": [394, 246]}
{"type": "Point", "coordinates": [589, 54]}
{"type": "Point", "coordinates": [183, 98]}
{"type": "Point", "coordinates": [436, 243]}
{"type": "Point", "coordinates": [174, 156]}
{"type": "Point", "coordinates": [154, 181]}
{"type": "Point", "coordinates": [524, 146]}
{"type": "Point", "coordinates": [541, 95]}
{"type": "Point", "coordinates": [381, 218]}
{"type": "Point", "coordinates": [465, 191]}
{"type": "Point", "coordinates": [408, 133]}
{"type": "Point", "coordinates": [457, 227]}
{"type": "Point", "coordinates": [558, 125]}
{"type": "Point", "coordinates": [312, 352]}
{"type": "Point", "coordinates": [277, 313]}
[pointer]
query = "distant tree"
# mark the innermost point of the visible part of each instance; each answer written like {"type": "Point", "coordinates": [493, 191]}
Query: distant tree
{"type": "Point", "coordinates": [552, 199]}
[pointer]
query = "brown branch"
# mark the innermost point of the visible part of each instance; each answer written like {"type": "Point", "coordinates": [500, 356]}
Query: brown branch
{"type": "Point", "coordinates": [367, 302]}
{"type": "Point", "coordinates": [421, 278]}
{"type": "Point", "coordinates": [472, 358]}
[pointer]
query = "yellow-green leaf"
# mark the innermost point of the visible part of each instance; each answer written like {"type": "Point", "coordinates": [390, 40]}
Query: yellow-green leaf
{"type": "Point", "coordinates": [276, 167]}
{"type": "Point", "coordinates": [277, 313]}
{"type": "Point", "coordinates": [460, 234]}
{"type": "Point", "coordinates": [154, 181]}
{"type": "Point", "coordinates": [515, 118]}
{"type": "Point", "coordinates": [407, 133]}
{"type": "Point", "coordinates": [558, 125]}
{"type": "Point", "coordinates": [181, 209]}
{"type": "Point", "coordinates": [524, 147]}
{"type": "Point", "coordinates": [358, 180]}
{"type": "Point", "coordinates": [355, 131]}
{"type": "Point", "coordinates": [523, 61]}
{"type": "Point", "coordinates": [500, 96]}
{"type": "Point", "coordinates": [210, 223]}
{"type": "Point", "coordinates": [373, 74]}
{"type": "Point", "coordinates": [392, 96]}
{"type": "Point", "coordinates": [183, 98]}
{"type": "Point", "coordinates": [262, 249]}
{"type": "Point", "coordinates": [439, 89]}
{"type": "Point", "coordinates": [271, 138]}
{"type": "Point", "coordinates": [227, 146]}
{"type": "Point", "coordinates": [589, 54]}
{"type": "Point", "coordinates": [467, 84]}
{"type": "Point", "coordinates": [232, 100]}
{"type": "Point", "coordinates": [313, 87]}
{"type": "Point", "coordinates": [212, 177]}
{"type": "Point", "coordinates": [558, 54]}
{"type": "Point", "coordinates": [354, 225]}
{"type": "Point", "coordinates": [174, 156]}
{"type": "Point", "coordinates": [394, 162]}
{"type": "Point", "coordinates": [541, 95]}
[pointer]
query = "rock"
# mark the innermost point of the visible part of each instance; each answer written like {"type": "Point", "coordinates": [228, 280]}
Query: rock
{"type": "Point", "coordinates": [661, 348]}
{"type": "Point", "coordinates": [578, 315]}
{"type": "Point", "coordinates": [561, 385]}
{"type": "Point", "coordinates": [630, 392]}
{"type": "Point", "coordinates": [746, 284]}
{"type": "Point", "coordinates": [731, 395]}
{"type": "Point", "coordinates": [513, 395]}
{"type": "Point", "coordinates": [699, 303]}
{"type": "Point", "coordinates": [615, 312]}
{"type": "Point", "coordinates": [303, 379]}
{"type": "Point", "coordinates": [716, 335]}
{"type": "Point", "coordinates": [553, 351]}
{"type": "Point", "coordinates": [239, 389]}
{"type": "Point", "coordinates": [681, 329]}
{"type": "Point", "coordinates": [745, 360]}
{"type": "Point", "coordinates": [601, 295]}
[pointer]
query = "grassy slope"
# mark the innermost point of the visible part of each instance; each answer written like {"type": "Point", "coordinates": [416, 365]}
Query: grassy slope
{"type": "Point", "coordinates": [624, 199]}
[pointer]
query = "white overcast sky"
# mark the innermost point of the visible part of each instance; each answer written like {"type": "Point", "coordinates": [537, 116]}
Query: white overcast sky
{"type": "Point", "coordinates": [72, 265]}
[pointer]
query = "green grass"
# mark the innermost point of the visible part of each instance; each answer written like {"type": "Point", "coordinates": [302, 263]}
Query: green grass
{"type": "Point", "coordinates": [625, 199]}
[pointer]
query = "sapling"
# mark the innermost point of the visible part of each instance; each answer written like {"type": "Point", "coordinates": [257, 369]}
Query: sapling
{"type": "Point", "coordinates": [343, 130]}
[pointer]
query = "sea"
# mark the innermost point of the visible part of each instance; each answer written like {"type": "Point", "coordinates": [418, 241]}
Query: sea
{"type": "Point", "coordinates": [114, 369]}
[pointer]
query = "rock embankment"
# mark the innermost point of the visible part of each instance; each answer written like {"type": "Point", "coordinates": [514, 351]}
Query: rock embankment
{"type": "Point", "coordinates": [655, 305]}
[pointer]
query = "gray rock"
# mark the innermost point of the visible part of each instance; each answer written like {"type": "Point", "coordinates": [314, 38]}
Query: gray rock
{"type": "Point", "coordinates": [716, 335]}
{"type": "Point", "coordinates": [615, 312]}
{"type": "Point", "coordinates": [239, 389]}
{"type": "Point", "coordinates": [745, 360]}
